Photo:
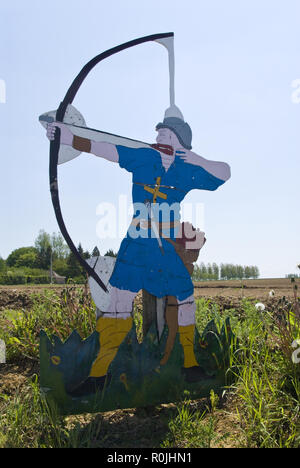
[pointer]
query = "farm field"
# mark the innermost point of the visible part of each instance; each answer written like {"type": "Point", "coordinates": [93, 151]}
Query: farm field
{"type": "Point", "coordinates": [253, 288]}
{"type": "Point", "coordinates": [19, 296]}
{"type": "Point", "coordinates": [258, 408]}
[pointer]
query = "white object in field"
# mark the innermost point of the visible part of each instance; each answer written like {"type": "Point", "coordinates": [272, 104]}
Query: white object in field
{"type": "Point", "coordinates": [104, 267]}
{"type": "Point", "coordinates": [74, 119]}
{"type": "Point", "coordinates": [2, 352]}
{"type": "Point", "coordinates": [160, 315]}
{"type": "Point", "coordinates": [296, 354]}
{"type": "Point", "coordinates": [260, 306]}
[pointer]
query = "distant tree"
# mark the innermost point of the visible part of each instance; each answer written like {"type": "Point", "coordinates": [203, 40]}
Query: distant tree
{"type": "Point", "coordinates": [196, 273]}
{"type": "Point", "coordinates": [60, 266]}
{"type": "Point", "coordinates": [86, 254]}
{"type": "Point", "coordinates": [60, 250]}
{"type": "Point", "coordinates": [240, 271]}
{"type": "Point", "coordinates": [247, 272]}
{"type": "Point", "coordinates": [29, 259]}
{"type": "Point", "coordinates": [96, 252]}
{"type": "Point", "coordinates": [230, 271]}
{"type": "Point", "coordinates": [209, 272]}
{"type": "Point", "coordinates": [44, 249]}
{"type": "Point", "coordinates": [226, 271]}
{"type": "Point", "coordinates": [73, 266]}
{"type": "Point", "coordinates": [2, 265]}
{"type": "Point", "coordinates": [222, 271]}
{"type": "Point", "coordinates": [50, 245]}
{"type": "Point", "coordinates": [21, 255]}
{"type": "Point", "coordinates": [80, 249]}
{"type": "Point", "coordinates": [110, 253]}
{"type": "Point", "coordinates": [203, 271]}
{"type": "Point", "coordinates": [234, 271]}
{"type": "Point", "coordinates": [215, 269]}
{"type": "Point", "coordinates": [256, 272]}
{"type": "Point", "coordinates": [83, 253]}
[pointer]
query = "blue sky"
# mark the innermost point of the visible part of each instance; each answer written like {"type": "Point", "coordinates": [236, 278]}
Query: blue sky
{"type": "Point", "coordinates": [235, 64]}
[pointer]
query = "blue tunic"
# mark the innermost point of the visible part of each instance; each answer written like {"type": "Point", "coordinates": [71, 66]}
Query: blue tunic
{"type": "Point", "coordinates": [140, 263]}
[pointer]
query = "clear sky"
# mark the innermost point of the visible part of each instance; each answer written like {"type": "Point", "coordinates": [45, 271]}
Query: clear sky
{"type": "Point", "coordinates": [235, 64]}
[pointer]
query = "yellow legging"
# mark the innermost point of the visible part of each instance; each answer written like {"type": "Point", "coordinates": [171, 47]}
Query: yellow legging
{"type": "Point", "coordinates": [186, 335]}
{"type": "Point", "coordinates": [112, 332]}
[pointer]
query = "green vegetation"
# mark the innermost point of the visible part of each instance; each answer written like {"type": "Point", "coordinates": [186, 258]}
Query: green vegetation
{"type": "Point", "coordinates": [259, 407]}
{"type": "Point", "coordinates": [226, 271]}
{"type": "Point", "coordinates": [55, 314]}
{"type": "Point", "coordinates": [32, 265]}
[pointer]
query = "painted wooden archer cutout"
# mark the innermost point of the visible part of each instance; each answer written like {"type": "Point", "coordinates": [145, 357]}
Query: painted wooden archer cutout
{"type": "Point", "coordinates": [111, 369]}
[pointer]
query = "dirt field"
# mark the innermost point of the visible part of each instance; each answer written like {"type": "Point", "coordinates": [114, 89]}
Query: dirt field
{"type": "Point", "coordinates": [258, 288]}
{"type": "Point", "coordinates": [229, 292]}
{"type": "Point", "coordinates": [20, 297]}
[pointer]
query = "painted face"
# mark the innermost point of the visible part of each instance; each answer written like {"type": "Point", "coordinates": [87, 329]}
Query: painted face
{"type": "Point", "coordinates": [164, 136]}
{"type": "Point", "coordinates": [167, 137]}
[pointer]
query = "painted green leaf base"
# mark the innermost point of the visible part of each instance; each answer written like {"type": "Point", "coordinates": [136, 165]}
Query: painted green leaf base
{"type": "Point", "coordinates": [137, 377]}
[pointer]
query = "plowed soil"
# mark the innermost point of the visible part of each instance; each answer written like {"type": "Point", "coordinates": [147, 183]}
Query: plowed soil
{"type": "Point", "coordinates": [227, 292]}
{"type": "Point", "coordinates": [257, 289]}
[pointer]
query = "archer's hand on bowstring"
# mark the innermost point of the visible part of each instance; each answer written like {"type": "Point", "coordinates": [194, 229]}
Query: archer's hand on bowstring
{"type": "Point", "coordinates": [66, 136]}
{"type": "Point", "coordinates": [190, 157]}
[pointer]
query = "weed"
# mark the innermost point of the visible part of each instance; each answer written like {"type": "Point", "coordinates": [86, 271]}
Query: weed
{"type": "Point", "coordinates": [261, 377]}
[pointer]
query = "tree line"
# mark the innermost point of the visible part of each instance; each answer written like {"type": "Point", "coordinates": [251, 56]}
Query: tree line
{"type": "Point", "coordinates": [33, 264]}
{"type": "Point", "coordinates": [224, 271]}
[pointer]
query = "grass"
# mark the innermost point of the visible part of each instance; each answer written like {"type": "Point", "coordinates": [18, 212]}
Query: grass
{"type": "Point", "coordinates": [260, 406]}
{"type": "Point", "coordinates": [192, 428]}
{"type": "Point", "coordinates": [57, 314]}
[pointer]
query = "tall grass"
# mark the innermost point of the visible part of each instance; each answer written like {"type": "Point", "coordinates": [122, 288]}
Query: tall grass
{"type": "Point", "coordinates": [263, 379]}
{"type": "Point", "coordinates": [55, 314]}
{"type": "Point", "coordinates": [27, 420]}
{"type": "Point", "coordinates": [263, 382]}
{"type": "Point", "coordinates": [194, 428]}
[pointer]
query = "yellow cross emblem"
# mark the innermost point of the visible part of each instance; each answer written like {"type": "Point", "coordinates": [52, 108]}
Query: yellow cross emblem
{"type": "Point", "coordinates": [155, 191]}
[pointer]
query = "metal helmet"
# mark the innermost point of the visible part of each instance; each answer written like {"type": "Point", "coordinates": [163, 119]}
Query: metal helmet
{"type": "Point", "coordinates": [181, 129]}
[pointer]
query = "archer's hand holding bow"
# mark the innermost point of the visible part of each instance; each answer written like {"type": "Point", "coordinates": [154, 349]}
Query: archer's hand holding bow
{"type": "Point", "coordinates": [66, 136]}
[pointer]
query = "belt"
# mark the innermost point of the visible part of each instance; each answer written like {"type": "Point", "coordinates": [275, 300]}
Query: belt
{"type": "Point", "coordinates": [147, 224]}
